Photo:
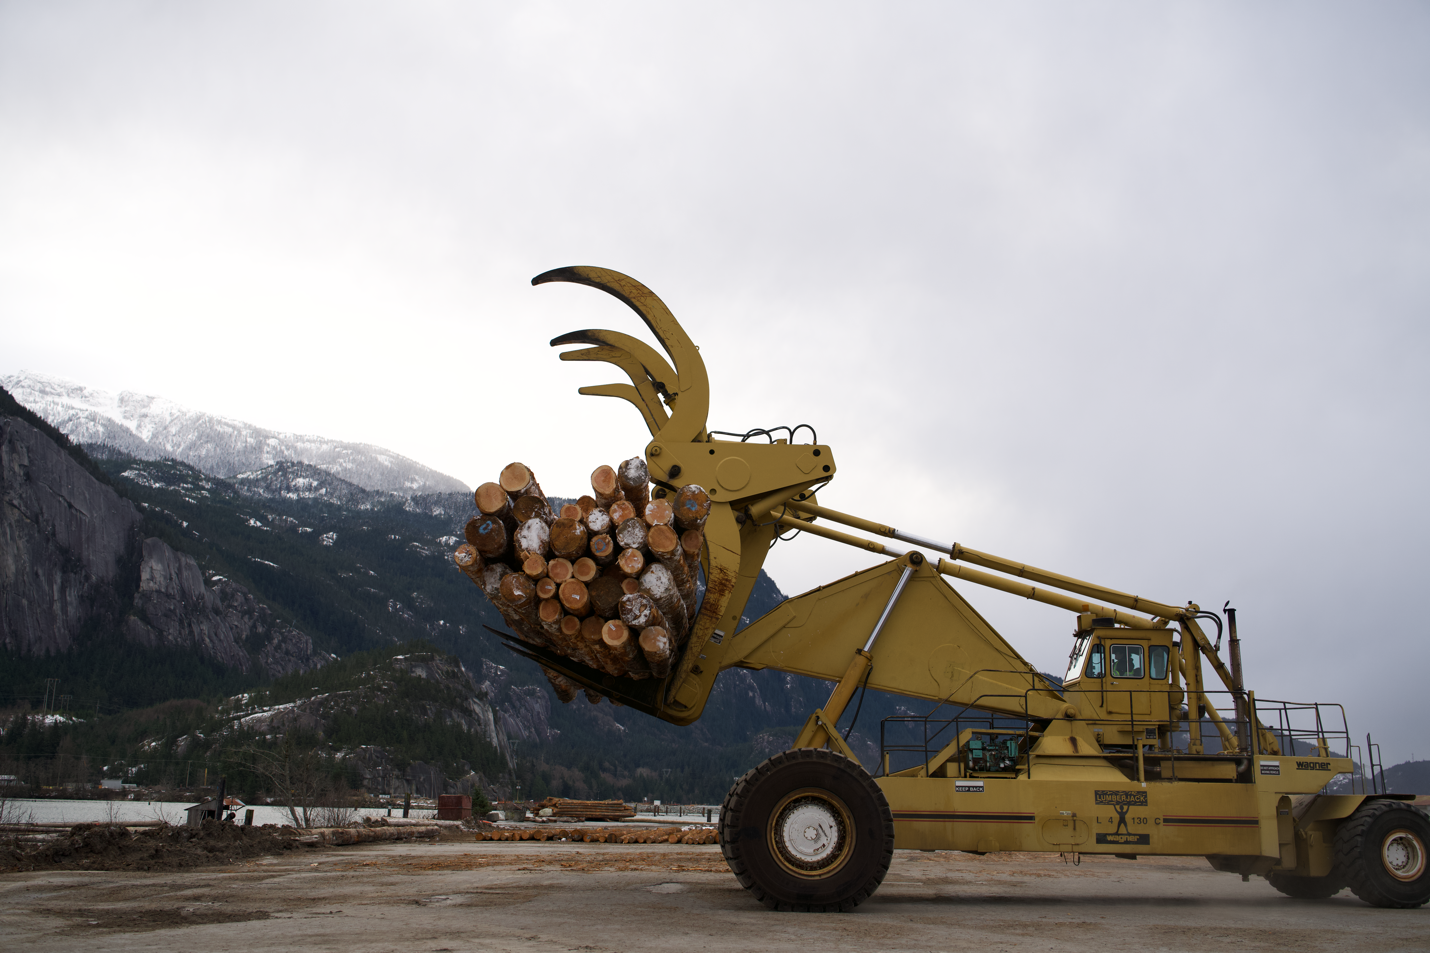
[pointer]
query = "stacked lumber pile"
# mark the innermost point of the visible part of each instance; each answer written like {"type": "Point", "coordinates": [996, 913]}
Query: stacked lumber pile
{"type": "Point", "coordinates": [601, 835]}
{"type": "Point", "coordinates": [587, 810]}
{"type": "Point", "coordinates": [608, 581]}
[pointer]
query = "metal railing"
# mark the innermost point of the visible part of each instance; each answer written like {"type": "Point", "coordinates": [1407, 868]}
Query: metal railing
{"type": "Point", "coordinates": [1297, 728]}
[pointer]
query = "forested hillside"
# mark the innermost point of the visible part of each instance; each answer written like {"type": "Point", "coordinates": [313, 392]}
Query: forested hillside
{"type": "Point", "coordinates": [359, 571]}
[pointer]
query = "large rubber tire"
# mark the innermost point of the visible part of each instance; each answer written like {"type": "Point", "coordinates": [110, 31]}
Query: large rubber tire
{"type": "Point", "coordinates": [808, 830]}
{"type": "Point", "coordinates": [1306, 888]}
{"type": "Point", "coordinates": [1381, 854]}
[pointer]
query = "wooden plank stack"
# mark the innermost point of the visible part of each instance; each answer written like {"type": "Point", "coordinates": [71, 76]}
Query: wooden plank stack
{"type": "Point", "coordinates": [587, 810]}
{"type": "Point", "coordinates": [608, 581]}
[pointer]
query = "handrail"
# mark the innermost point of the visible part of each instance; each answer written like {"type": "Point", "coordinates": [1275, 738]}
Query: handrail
{"type": "Point", "coordinates": [1322, 734]}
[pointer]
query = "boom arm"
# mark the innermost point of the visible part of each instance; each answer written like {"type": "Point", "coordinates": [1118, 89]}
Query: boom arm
{"type": "Point", "coordinates": [934, 644]}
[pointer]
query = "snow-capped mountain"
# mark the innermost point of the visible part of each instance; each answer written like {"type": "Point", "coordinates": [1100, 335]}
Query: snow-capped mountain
{"type": "Point", "coordinates": [153, 428]}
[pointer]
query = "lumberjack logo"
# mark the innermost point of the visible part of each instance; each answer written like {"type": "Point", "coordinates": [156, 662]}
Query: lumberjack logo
{"type": "Point", "coordinates": [1122, 802]}
{"type": "Point", "coordinates": [1130, 798]}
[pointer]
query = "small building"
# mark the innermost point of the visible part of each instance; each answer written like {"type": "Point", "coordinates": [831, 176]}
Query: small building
{"type": "Point", "coordinates": [453, 807]}
{"type": "Point", "coordinates": [207, 809]}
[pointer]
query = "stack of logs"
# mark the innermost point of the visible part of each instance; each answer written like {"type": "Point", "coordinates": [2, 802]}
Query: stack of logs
{"type": "Point", "coordinates": [662, 835]}
{"type": "Point", "coordinates": [608, 581]}
{"type": "Point", "coordinates": [587, 810]}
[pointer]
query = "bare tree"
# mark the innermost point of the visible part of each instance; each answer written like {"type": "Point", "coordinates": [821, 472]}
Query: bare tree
{"type": "Point", "coordinates": [12, 811]}
{"type": "Point", "coordinates": [298, 775]}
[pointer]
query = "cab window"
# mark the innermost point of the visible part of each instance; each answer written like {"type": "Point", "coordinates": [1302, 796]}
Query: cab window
{"type": "Point", "coordinates": [1094, 662]}
{"type": "Point", "coordinates": [1075, 659]}
{"type": "Point", "coordinates": [1157, 656]}
{"type": "Point", "coordinates": [1127, 661]}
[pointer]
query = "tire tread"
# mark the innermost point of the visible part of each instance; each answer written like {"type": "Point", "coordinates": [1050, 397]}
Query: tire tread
{"type": "Point", "coordinates": [1350, 863]}
{"type": "Point", "coordinates": [732, 806]}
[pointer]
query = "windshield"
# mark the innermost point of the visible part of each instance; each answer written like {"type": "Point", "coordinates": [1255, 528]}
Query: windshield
{"type": "Point", "coordinates": [1075, 659]}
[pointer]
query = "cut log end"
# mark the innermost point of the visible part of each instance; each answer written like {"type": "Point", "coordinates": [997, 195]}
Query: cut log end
{"type": "Point", "coordinates": [663, 540]}
{"type": "Point", "coordinates": [584, 569]}
{"type": "Point", "coordinates": [518, 590]}
{"type": "Point", "coordinates": [605, 485]}
{"type": "Point", "coordinates": [591, 629]}
{"type": "Point", "coordinates": [532, 538]}
{"type": "Point", "coordinates": [632, 533]}
{"type": "Point", "coordinates": [568, 538]}
{"type": "Point", "coordinates": [492, 500]}
{"type": "Point", "coordinates": [575, 597]}
{"type": "Point", "coordinates": [631, 562]}
{"type": "Point", "coordinates": [531, 507]}
{"type": "Point", "coordinates": [559, 570]}
{"type": "Point", "coordinates": [620, 511]}
{"type": "Point", "coordinates": [603, 549]}
{"type": "Point", "coordinates": [516, 479]}
{"type": "Point", "coordinates": [615, 632]}
{"type": "Point", "coordinates": [634, 475]}
{"type": "Point", "coordinates": [605, 595]}
{"type": "Point", "coordinates": [659, 512]}
{"type": "Point", "coordinates": [658, 650]}
{"type": "Point", "coordinates": [492, 539]}
{"type": "Point", "coordinates": [549, 608]}
{"type": "Point", "coordinates": [692, 506]}
{"type": "Point", "coordinates": [598, 521]}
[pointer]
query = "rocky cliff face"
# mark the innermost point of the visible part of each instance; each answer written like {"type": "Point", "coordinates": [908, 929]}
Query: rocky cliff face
{"type": "Point", "coordinates": [72, 562]}
{"type": "Point", "coordinates": [67, 543]}
{"type": "Point", "coordinates": [523, 710]}
{"type": "Point", "coordinates": [174, 609]}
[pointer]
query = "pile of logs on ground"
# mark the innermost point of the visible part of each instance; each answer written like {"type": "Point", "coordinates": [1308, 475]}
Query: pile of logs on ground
{"type": "Point", "coordinates": [602, 835]}
{"type": "Point", "coordinates": [587, 810]}
{"type": "Point", "coordinates": [343, 836]}
{"type": "Point", "coordinates": [608, 581]}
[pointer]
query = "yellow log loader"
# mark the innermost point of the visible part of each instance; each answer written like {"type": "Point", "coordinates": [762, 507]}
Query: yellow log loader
{"type": "Point", "coordinates": [1151, 745]}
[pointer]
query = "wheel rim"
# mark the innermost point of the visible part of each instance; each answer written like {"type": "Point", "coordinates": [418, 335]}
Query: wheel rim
{"type": "Point", "coordinates": [1403, 855]}
{"type": "Point", "coordinates": [811, 833]}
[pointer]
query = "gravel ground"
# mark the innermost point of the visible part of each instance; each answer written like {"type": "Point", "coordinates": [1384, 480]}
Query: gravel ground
{"type": "Point", "coordinates": [458, 895]}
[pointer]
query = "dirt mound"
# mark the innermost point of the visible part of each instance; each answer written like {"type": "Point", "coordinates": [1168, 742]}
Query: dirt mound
{"type": "Point", "coordinates": [109, 847]}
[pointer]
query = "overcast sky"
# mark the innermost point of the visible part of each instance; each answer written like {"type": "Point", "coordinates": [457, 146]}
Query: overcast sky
{"type": "Point", "coordinates": [1137, 292]}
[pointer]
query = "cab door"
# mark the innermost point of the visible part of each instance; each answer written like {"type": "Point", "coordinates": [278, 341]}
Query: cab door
{"type": "Point", "coordinates": [1161, 689]}
{"type": "Point", "coordinates": [1127, 683]}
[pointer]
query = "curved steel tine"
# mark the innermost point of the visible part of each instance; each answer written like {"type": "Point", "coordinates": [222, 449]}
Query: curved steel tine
{"type": "Point", "coordinates": [687, 418]}
{"type": "Point", "coordinates": [634, 370]}
{"type": "Point", "coordinates": [661, 374]}
{"type": "Point", "coordinates": [626, 392]}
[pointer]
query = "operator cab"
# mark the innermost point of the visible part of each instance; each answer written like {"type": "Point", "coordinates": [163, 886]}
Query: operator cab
{"type": "Point", "coordinates": [1124, 678]}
